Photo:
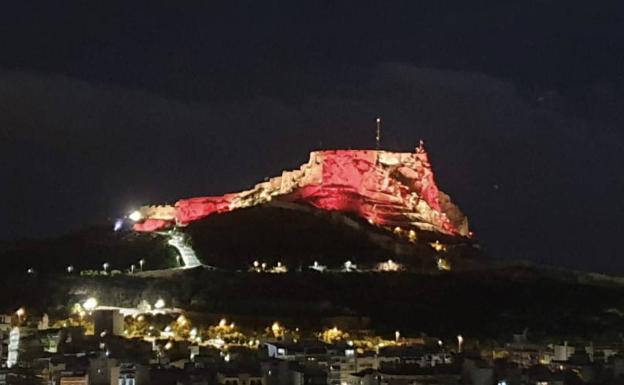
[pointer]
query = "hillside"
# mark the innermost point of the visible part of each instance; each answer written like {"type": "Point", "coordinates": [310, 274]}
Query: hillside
{"type": "Point", "coordinates": [293, 234]}
{"type": "Point", "coordinates": [485, 303]}
{"type": "Point", "coordinates": [299, 235]}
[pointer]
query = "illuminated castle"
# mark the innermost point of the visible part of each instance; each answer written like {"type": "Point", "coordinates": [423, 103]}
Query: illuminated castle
{"type": "Point", "coordinates": [395, 190]}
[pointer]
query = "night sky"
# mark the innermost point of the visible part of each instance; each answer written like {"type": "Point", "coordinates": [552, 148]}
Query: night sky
{"type": "Point", "coordinates": [106, 105]}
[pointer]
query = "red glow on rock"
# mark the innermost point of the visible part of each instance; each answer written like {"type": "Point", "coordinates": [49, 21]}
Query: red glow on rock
{"type": "Point", "coordinates": [189, 210]}
{"type": "Point", "coordinates": [151, 224]}
{"type": "Point", "coordinates": [385, 188]}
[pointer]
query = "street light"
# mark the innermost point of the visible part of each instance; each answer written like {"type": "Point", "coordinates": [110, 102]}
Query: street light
{"type": "Point", "coordinates": [460, 342]}
{"type": "Point", "coordinates": [106, 265]}
{"type": "Point", "coordinates": [70, 269]}
{"type": "Point", "coordinates": [90, 304]}
{"type": "Point", "coordinates": [160, 303]}
{"type": "Point", "coordinates": [141, 262]}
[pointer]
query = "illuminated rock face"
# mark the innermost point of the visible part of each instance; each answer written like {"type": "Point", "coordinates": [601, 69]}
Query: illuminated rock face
{"type": "Point", "coordinates": [386, 188]}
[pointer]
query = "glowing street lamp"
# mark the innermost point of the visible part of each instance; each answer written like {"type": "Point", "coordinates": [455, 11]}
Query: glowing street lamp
{"type": "Point", "coordinates": [90, 304]}
{"type": "Point", "coordinates": [460, 342]}
{"type": "Point", "coordinates": [160, 303]}
{"type": "Point", "coordinates": [141, 263]}
{"type": "Point", "coordinates": [20, 313]}
{"type": "Point", "coordinates": [70, 269]}
{"type": "Point", "coordinates": [105, 266]}
{"type": "Point", "coordinates": [181, 320]}
{"type": "Point", "coordinates": [132, 269]}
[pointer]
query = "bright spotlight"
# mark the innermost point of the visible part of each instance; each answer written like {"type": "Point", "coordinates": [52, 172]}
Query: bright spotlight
{"type": "Point", "coordinates": [160, 303]}
{"type": "Point", "coordinates": [90, 304]}
{"type": "Point", "coordinates": [135, 216]}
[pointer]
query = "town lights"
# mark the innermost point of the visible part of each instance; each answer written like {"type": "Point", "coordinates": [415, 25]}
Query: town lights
{"type": "Point", "coordinates": [460, 342]}
{"type": "Point", "coordinates": [397, 336]}
{"type": "Point", "coordinates": [141, 263]}
{"type": "Point", "coordinates": [70, 269]}
{"type": "Point", "coordinates": [20, 313]}
{"type": "Point", "coordinates": [135, 216]}
{"type": "Point", "coordinates": [90, 304]}
{"type": "Point", "coordinates": [105, 266]}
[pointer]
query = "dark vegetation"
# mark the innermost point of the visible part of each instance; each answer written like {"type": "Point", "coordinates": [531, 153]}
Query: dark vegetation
{"type": "Point", "coordinates": [301, 236]}
{"type": "Point", "coordinates": [486, 299]}
{"type": "Point", "coordinates": [486, 303]}
{"type": "Point", "coordinates": [87, 250]}
{"type": "Point", "coordinates": [234, 240]}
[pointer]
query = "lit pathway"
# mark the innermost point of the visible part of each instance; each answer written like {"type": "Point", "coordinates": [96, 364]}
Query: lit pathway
{"type": "Point", "coordinates": [177, 240]}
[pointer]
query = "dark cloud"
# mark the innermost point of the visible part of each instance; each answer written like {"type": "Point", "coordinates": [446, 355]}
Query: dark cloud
{"type": "Point", "coordinates": [535, 182]}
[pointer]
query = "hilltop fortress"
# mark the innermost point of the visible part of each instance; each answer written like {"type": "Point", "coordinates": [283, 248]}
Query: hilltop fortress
{"type": "Point", "coordinates": [395, 190]}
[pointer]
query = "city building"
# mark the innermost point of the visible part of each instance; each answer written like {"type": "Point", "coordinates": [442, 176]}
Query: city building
{"type": "Point", "coordinates": [108, 321]}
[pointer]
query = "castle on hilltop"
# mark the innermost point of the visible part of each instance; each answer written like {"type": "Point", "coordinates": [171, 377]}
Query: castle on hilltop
{"type": "Point", "coordinates": [396, 190]}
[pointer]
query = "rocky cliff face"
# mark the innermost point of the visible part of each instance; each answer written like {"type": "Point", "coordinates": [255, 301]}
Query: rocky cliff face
{"type": "Point", "coordinates": [388, 189]}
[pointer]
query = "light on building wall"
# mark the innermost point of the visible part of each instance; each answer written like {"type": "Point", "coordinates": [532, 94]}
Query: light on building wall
{"type": "Point", "coordinates": [21, 312]}
{"type": "Point", "coordinates": [14, 338]}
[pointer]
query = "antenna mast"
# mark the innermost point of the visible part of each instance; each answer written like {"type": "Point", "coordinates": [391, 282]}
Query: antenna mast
{"type": "Point", "coordinates": [378, 135]}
